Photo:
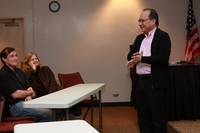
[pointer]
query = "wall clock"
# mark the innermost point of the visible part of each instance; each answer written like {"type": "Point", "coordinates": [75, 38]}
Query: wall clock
{"type": "Point", "coordinates": [54, 6]}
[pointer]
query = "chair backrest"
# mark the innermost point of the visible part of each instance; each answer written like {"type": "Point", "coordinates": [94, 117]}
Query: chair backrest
{"type": "Point", "coordinates": [70, 79]}
{"type": "Point", "coordinates": [4, 107]}
{"type": "Point", "coordinates": [2, 100]}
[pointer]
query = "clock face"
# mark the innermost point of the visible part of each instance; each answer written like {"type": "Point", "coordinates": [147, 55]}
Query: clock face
{"type": "Point", "coordinates": [54, 6]}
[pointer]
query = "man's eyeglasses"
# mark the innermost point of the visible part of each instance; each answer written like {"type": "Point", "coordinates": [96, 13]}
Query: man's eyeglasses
{"type": "Point", "coordinates": [143, 20]}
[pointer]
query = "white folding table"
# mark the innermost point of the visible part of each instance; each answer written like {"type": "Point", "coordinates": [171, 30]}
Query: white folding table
{"type": "Point", "coordinates": [72, 126]}
{"type": "Point", "coordinates": [68, 97]}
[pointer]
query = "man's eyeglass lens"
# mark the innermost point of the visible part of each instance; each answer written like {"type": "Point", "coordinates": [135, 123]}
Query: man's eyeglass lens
{"type": "Point", "coordinates": [142, 20]}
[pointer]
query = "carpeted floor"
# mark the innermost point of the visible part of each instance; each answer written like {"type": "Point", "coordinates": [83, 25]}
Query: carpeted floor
{"type": "Point", "coordinates": [184, 126]}
{"type": "Point", "coordinates": [123, 119]}
{"type": "Point", "coordinates": [116, 119]}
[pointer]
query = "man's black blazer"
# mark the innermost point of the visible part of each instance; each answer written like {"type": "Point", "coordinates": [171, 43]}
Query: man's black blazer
{"type": "Point", "coordinates": [160, 53]}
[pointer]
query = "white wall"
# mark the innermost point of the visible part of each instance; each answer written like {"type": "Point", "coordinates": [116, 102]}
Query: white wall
{"type": "Point", "coordinates": [93, 36]}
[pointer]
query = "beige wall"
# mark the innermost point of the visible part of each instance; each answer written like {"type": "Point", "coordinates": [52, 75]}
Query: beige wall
{"type": "Point", "coordinates": [93, 36]}
{"type": "Point", "coordinates": [12, 36]}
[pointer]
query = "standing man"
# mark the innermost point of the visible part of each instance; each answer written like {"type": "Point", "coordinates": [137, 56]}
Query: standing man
{"type": "Point", "coordinates": [149, 56]}
{"type": "Point", "coordinates": [16, 88]}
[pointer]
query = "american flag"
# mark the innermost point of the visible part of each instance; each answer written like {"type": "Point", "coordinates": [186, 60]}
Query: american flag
{"type": "Point", "coordinates": [192, 48]}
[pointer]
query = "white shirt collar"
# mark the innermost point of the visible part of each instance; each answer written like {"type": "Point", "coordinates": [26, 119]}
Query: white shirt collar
{"type": "Point", "coordinates": [152, 32]}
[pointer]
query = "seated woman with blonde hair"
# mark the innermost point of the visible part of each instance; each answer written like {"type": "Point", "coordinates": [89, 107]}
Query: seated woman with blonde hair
{"type": "Point", "coordinates": [43, 81]}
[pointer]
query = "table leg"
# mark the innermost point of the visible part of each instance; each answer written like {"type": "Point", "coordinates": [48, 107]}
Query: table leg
{"type": "Point", "coordinates": [92, 114]}
{"type": "Point", "coordinates": [100, 113]}
{"type": "Point", "coordinates": [54, 114]}
{"type": "Point", "coordinates": [67, 113]}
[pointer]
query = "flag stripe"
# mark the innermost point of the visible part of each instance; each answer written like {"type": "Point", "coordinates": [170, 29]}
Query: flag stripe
{"type": "Point", "coordinates": [192, 48]}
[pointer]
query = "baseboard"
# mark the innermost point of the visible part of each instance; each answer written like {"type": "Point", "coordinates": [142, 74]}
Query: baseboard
{"type": "Point", "coordinates": [110, 104]}
{"type": "Point", "coordinates": [117, 104]}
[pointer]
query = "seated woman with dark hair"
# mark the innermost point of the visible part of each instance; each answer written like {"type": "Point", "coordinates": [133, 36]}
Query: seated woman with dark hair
{"type": "Point", "coordinates": [43, 81]}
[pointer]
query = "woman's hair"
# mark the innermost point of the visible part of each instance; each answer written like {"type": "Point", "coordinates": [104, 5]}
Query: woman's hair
{"type": "Point", "coordinates": [25, 64]}
{"type": "Point", "coordinates": [5, 52]}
